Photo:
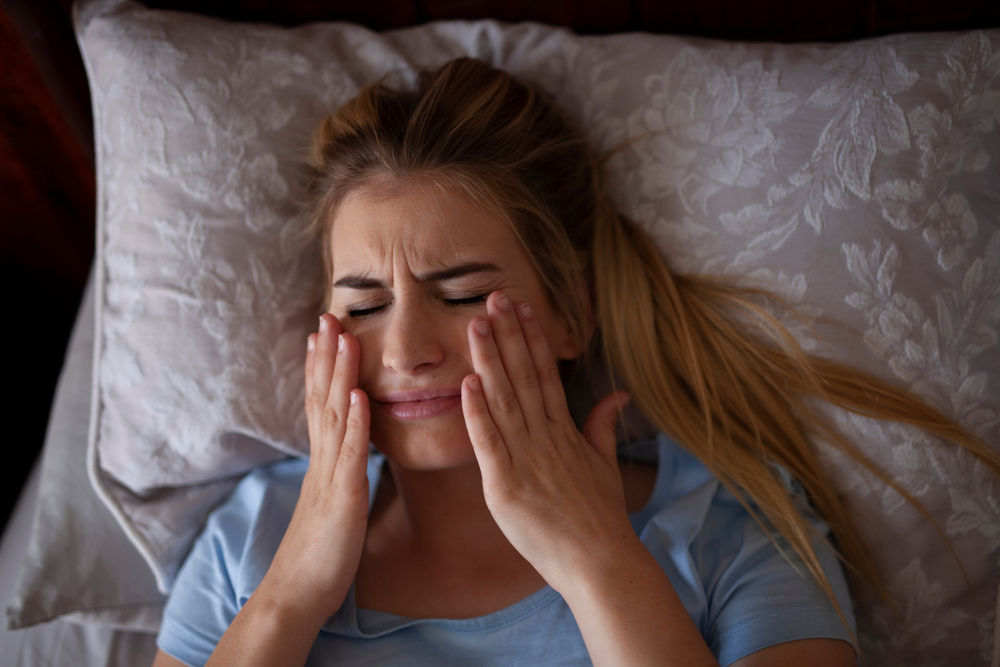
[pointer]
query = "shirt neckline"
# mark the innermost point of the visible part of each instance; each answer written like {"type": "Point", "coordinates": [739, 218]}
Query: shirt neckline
{"type": "Point", "coordinates": [355, 621]}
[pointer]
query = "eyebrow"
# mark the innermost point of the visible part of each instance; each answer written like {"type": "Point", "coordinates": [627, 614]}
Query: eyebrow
{"type": "Point", "coordinates": [449, 273]}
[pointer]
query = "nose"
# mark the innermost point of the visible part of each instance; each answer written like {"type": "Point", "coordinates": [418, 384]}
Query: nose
{"type": "Point", "coordinates": [411, 343]}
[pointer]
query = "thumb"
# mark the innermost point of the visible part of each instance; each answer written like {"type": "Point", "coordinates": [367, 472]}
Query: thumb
{"type": "Point", "coordinates": [599, 429]}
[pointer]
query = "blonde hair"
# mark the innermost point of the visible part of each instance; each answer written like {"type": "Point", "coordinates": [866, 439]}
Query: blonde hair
{"type": "Point", "coordinates": [702, 358]}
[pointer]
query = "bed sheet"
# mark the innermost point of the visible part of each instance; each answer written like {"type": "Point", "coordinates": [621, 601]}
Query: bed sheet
{"type": "Point", "coordinates": [59, 643]}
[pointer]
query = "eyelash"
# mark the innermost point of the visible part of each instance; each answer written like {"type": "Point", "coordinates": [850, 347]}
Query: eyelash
{"type": "Point", "coordinates": [454, 303]}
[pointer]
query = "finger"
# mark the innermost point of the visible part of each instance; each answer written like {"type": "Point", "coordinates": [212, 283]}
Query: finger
{"type": "Point", "coordinates": [500, 397]}
{"type": "Point", "coordinates": [324, 356]}
{"type": "Point", "coordinates": [345, 378]}
{"type": "Point", "coordinates": [352, 463]}
{"type": "Point", "coordinates": [310, 362]}
{"type": "Point", "coordinates": [599, 429]}
{"type": "Point", "coordinates": [321, 372]}
{"type": "Point", "coordinates": [487, 441]}
{"type": "Point", "coordinates": [550, 385]}
{"type": "Point", "coordinates": [516, 359]}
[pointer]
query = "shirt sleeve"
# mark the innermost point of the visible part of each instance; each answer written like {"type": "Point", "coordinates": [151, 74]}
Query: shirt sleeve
{"type": "Point", "coordinates": [231, 556]}
{"type": "Point", "coordinates": [203, 600]}
{"type": "Point", "coordinates": [744, 591]}
{"type": "Point", "coordinates": [759, 595]}
{"type": "Point", "coordinates": [227, 561]}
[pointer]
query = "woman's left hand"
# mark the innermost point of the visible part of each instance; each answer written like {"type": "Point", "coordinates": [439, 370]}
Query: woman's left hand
{"type": "Point", "coordinates": [555, 492]}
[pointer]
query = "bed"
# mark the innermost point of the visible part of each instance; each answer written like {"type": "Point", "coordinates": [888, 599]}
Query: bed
{"type": "Point", "coordinates": [859, 179]}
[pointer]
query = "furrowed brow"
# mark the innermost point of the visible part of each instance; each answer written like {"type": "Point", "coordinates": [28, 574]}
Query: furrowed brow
{"type": "Point", "coordinates": [359, 282]}
{"type": "Point", "coordinates": [457, 271]}
{"type": "Point", "coordinates": [449, 273]}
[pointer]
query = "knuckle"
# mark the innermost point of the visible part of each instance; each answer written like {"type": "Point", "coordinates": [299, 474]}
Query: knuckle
{"type": "Point", "coordinates": [506, 401]}
{"type": "Point", "coordinates": [527, 376]}
{"type": "Point", "coordinates": [550, 373]}
{"type": "Point", "coordinates": [314, 402]}
{"type": "Point", "coordinates": [330, 420]}
{"type": "Point", "coordinates": [354, 425]}
{"type": "Point", "coordinates": [491, 439]}
{"type": "Point", "coordinates": [348, 455]}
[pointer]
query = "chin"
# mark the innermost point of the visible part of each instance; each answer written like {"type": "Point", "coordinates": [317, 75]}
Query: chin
{"type": "Point", "coordinates": [424, 447]}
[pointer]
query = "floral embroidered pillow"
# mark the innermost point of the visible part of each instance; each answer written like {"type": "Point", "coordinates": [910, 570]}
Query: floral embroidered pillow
{"type": "Point", "coordinates": [858, 180]}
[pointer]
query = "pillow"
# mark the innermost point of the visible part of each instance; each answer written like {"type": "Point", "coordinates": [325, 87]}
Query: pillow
{"type": "Point", "coordinates": [105, 579]}
{"type": "Point", "coordinates": [858, 180]}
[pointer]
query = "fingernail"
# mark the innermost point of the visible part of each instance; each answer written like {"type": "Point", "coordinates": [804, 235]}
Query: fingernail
{"type": "Point", "coordinates": [310, 343]}
{"type": "Point", "coordinates": [340, 343]}
{"type": "Point", "coordinates": [503, 301]}
{"type": "Point", "coordinates": [483, 328]}
{"type": "Point", "coordinates": [474, 383]}
{"type": "Point", "coordinates": [322, 324]}
{"type": "Point", "coordinates": [354, 398]}
{"type": "Point", "coordinates": [526, 310]}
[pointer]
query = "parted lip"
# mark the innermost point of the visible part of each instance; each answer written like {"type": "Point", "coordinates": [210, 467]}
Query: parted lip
{"type": "Point", "coordinates": [411, 395]}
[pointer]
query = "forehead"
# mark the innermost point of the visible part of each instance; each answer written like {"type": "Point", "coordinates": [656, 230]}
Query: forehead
{"type": "Point", "coordinates": [425, 224]}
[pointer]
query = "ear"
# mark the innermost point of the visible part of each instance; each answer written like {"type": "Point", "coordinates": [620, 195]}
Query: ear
{"type": "Point", "coordinates": [571, 345]}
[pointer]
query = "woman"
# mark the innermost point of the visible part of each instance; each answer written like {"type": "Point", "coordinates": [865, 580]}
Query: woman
{"type": "Point", "coordinates": [473, 265]}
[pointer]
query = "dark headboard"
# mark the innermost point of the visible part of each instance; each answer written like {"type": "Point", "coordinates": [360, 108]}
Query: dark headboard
{"type": "Point", "coordinates": [47, 190]}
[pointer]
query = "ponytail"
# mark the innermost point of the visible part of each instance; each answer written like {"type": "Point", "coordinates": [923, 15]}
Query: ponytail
{"type": "Point", "coordinates": [711, 367]}
{"type": "Point", "coordinates": [703, 359]}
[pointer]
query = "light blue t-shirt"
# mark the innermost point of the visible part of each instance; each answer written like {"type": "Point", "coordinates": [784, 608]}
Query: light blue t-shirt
{"type": "Point", "coordinates": [742, 594]}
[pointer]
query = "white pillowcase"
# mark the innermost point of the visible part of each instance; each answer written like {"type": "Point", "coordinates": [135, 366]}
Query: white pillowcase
{"type": "Point", "coordinates": [859, 180]}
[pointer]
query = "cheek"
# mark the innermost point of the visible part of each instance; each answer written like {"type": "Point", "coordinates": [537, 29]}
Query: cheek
{"type": "Point", "coordinates": [371, 353]}
{"type": "Point", "coordinates": [453, 337]}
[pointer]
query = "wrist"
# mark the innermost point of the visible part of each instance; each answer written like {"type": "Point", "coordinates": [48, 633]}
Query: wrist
{"type": "Point", "coordinates": [628, 611]}
{"type": "Point", "coordinates": [288, 606]}
{"type": "Point", "coordinates": [271, 628]}
{"type": "Point", "coordinates": [603, 565]}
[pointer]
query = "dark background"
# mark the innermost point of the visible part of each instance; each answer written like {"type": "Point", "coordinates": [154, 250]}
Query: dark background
{"type": "Point", "coordinates": [47, 188]}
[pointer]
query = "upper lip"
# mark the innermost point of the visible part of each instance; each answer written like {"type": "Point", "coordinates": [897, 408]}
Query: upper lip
{"type": "Point", "coordinates": [409, 395]}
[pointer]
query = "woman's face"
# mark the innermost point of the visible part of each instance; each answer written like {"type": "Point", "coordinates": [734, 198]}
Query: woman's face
{"type": "Point", "coordinates": [412, 265]}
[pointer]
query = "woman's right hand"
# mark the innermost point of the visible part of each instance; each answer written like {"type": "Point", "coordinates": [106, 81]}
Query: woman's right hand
{"type": "Point", "coordinates": [318, 557]}
{"type": "Point", "coordinates": [319, 554]}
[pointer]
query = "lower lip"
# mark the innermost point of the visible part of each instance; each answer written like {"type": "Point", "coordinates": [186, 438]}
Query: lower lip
{"type": "Point", "coordinates": [422, 409]}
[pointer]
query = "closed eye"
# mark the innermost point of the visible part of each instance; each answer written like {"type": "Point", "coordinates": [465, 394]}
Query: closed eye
{"type": "Point", "coordinates": [361, 312]}
{"type": "Point", "coordinates": [457, 303]}
{"type": "Point", "coordinates": [467, 301]}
